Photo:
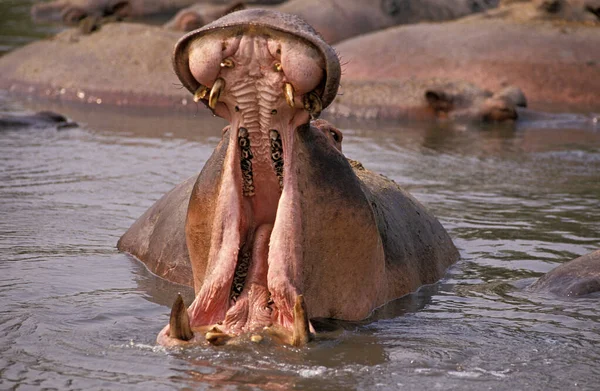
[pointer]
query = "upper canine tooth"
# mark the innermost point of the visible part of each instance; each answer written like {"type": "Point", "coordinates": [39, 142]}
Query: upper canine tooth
{"type": "Point", "coordinates": [288, 90]}
{"type": "Point", "coordinates": [215, 93]}
{"type": "Point", "coordinates": [278, 67]}
{"type": "Point", "coordinates": [200, 93]}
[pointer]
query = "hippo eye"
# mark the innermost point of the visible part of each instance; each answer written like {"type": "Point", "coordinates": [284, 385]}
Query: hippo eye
{"type": "Point", "coordinates": [335, 136]}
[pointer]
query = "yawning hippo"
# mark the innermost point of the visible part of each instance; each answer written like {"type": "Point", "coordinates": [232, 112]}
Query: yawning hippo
{"type": "Point", "coordinates": [279, 227]}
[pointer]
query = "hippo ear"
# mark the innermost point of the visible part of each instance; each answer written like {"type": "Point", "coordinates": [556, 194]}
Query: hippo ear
{"type": "Point", "coordinates": [439, 100]}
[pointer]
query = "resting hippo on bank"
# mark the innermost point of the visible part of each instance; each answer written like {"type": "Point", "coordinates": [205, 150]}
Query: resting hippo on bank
{"type": "Point", "coordinates": [279, 227]}
{"type": "Point", "coordinates": [553, 63]}
{"type": "Point", "coordinates": [337, 20]}
{"type": "Point", "coordinates": [424, 99]}
{"type": "Point", "coordinates": [553, 10]}
{"type": "Point", "coordinates": [578, 277]}
{"type": "Point", "coordinates": [104, 68]}
{"type": "Point", "coordinates": [72, 11]}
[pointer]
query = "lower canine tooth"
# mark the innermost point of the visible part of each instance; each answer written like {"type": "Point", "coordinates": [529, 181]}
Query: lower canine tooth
{"type": "Point", "coordinates": [288, 90]}
{"type": "Point", "coordinates": [215, 93]}
{"type": "Point", "coordinates": [301, 332]}
{"type": "Point", "coordinates": [179, 322]}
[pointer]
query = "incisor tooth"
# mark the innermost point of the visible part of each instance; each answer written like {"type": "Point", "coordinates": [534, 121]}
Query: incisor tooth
{"type": "Point", "coordinates": [215, 93]}
{"type": "Point", "coordinates": [288, 90]}
{"type": "Point", "coordinates": [313, 104]}
{"type": "Point", "coordinates": [200, 93]}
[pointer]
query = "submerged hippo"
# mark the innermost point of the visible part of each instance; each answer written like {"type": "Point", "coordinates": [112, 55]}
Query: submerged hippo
{"type": "Point", "coordinates": [578, 277]}
{"type": "Point", "coordinates": [279, 227]}
{"type": "Point", "coordinates": [337, 20]}
{"type": "Point", "coordinates": [424, 99]}
{"type": "Point", "coordinates": [555, 64]}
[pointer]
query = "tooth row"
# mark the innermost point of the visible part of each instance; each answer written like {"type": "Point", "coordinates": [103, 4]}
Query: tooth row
{"type": "Point", "coordinates": [246, 163]}
{"type": "Point", "coordinates": [239, 278]}
{"type": "Point", "coordinates": [277, 155]}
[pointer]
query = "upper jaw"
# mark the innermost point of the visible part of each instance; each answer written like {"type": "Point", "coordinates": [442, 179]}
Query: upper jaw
{"type": "Point", "coordinates": [266, 82]}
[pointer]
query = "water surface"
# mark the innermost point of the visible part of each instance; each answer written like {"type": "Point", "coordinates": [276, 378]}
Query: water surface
{"type": "Point", "coordinates": [75, 313]}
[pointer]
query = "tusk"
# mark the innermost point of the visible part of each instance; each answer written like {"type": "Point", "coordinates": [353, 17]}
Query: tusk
{"type": "Point", "coordinates": [288, 90]}
{"type": "Point", "coordinates": [278, 67]}
{"type": "Point", "coordinates": [301, 333]}
{"type": "Point", "coordinates": [200, 93]}
{"type": "Point", "coordinates": [313, 104]}
{"type": "Point", "coordinates": [215, 93]}
{"type": "Point", "coordinates": [180, 322]}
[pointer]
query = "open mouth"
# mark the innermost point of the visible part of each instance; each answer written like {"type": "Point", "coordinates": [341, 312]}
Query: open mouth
{"type": "Point", "coordinates": [267, 82]}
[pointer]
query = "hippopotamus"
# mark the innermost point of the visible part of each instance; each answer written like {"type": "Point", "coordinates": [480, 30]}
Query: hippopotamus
{"type": "Point", "coordinates": [71, 12]}
{"type": "Point", "coordinates": [578, 277]}
{"type": "Point", "coordinates": [552, 10]}
{"type": "Point", "coordinates": [426, 99]}
{"type": "Point", "coordinates": [104, 67]}
{"type": "Point", "coordinates": [279, 227]}
{"type": "Point", "coordinates": [41, 119]}
{"type": "Point", "coordinates": [555, 64]}
{"type": "Point", "coordinates": [337, 20]}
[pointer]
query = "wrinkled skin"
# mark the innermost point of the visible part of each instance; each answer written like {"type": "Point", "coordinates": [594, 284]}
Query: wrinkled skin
{"type": "Point", "coordinates": [337, 20]}
{"type": "Point", "coordinates": [320, 236]}
{"type": "Point", "coordinates": [553, 63]}
{"type": "Point", "coordinates": [426, 99]}
{"type": "Point", "coordinates": [578, 277]}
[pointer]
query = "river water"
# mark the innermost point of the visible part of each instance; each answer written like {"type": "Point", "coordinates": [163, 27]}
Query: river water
{"type": "Point", "coordinates": [77, 314]}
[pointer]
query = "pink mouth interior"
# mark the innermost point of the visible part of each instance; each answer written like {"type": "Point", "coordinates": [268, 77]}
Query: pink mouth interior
{"type": "Point", "coordinates": [253, 272]}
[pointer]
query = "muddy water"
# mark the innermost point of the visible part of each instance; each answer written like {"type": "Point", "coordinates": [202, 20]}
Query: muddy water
{"type": "Point", "coordinates": [77, 314]}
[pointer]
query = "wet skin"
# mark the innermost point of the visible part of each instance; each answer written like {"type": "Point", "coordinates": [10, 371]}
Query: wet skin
{"type": "Point", "coordinates": [578, 277]}
{"type": "Point", "coordinates": [280, 227]}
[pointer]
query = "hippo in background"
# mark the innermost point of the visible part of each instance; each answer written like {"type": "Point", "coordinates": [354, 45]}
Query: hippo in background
{"type": "Point", "coordinates": [70, 12]}
{"type": "Point", "coordinates": [578, 277]}
{"type": "Point", "coordinates": [279, 227]}
{"type": "Point", "coordinates": [549, 10]}
{"type": "Point", "coordinates": [337, 20]}
{"type": "Point", "coordinates": [41, 119]}
{"type": "Point", "coordinates": [554, 64]}
{"type": "Point", "coordinates": [426, 99]}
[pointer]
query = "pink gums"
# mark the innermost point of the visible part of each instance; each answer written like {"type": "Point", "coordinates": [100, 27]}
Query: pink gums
{"type": "Point", "coordinates": [268, 224]}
